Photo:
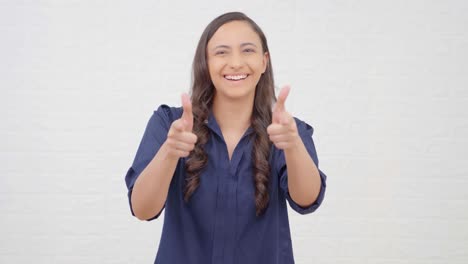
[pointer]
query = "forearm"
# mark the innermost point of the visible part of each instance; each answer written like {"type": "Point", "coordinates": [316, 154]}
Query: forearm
{"type": "Point", "coordinates": [151, 187]}
{"type": "Point", "coordinates": [303, 176]}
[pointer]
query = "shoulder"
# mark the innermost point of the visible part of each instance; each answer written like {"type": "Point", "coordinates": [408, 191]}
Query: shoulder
{"type": "Point", "coordinates": [167, 113]}
{"type": "Point", "coordinates": [303, 128]}
{"type": "Point", "coordinates": [163, 116]}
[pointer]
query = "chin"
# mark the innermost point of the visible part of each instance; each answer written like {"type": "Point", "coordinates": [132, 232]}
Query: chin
{"type": "Point", "coordinates": [236, 93]}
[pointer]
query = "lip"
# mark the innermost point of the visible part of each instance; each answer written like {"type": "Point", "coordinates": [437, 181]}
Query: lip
{"type": "Point", "coordinates": [247, 76]}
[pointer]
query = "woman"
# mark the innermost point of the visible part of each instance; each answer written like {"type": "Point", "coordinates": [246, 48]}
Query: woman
{"type": "Point", "coordinates": [224, 164]}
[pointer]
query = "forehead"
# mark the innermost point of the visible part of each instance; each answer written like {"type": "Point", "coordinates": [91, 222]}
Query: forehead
{"type": "Point", "coordinates": [234, 33]}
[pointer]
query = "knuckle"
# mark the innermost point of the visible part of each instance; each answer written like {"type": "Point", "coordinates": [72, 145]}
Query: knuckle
{"type": "Point", "coordinates": [170, 133]}
{"type": "Point", "coordinates": [169, 141]}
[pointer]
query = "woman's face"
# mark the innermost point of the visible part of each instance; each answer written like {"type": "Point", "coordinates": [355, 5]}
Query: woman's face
{"type": "Point", "coordinates": [236, 60]}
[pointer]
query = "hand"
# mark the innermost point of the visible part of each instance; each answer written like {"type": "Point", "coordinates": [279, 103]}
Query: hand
{"type": "Point", "coordinates": [283, 129]}
{"type": "Point", "coordinates": [180, 139]}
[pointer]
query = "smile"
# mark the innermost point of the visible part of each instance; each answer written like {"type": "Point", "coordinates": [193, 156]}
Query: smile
{"type": "Point", "coordinates": [237, 77]}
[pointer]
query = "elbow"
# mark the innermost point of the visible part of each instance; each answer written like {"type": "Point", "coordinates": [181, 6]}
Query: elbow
{"type": "Point", "coordinates": [148, 216]}
{"type": "Point", "coordinates": [144, 213]}
{"type": "Point", "coordinates": [137, 212]}
{"type": "Point", "coordinates": [136, 208]}
{"type": "Point", "coordinates": [141, 217]}
{"type": "Point", "coordinates": [305, 200]}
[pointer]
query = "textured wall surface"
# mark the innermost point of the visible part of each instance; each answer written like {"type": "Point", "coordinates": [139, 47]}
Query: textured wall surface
{"type": "Point", "coordinates": [383, 83]}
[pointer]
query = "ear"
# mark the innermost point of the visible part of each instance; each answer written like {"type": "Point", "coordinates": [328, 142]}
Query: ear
{"type": "Point", "coordinates": [266, 58]}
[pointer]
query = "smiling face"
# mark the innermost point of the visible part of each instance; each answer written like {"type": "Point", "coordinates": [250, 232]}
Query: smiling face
{"type": "Point", "coordinates": [236, 60]}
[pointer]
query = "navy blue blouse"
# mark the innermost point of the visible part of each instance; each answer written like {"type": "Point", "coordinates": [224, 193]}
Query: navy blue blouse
{"type": "Point", "coordinates": [218, 224]}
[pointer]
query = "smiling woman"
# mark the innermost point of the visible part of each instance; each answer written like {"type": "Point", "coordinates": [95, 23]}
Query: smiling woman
{"type": "Point", "coordinates": [236, 59]}
{"type": "Point", "coordinates": [226, 163]}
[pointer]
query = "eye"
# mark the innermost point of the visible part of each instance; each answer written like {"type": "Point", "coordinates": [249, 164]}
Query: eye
{"type": "Point", "coordinates": [249, 50]}
{"type": "Point", "coordinates": [220, 52]}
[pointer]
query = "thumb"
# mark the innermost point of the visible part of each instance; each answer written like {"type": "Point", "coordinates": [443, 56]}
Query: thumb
{"type": "Point", "coordinates": [280, 104]}
{"type": "Point", "coordinates": [283, 94]}
{"type": "Point", "coordinates": [187, 115]}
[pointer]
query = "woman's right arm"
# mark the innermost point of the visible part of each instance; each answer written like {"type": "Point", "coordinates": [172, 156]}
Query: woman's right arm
{"type": "Point", "coordinates": [152, 185]}
{"type": "Point", "coordinates": [150, 190]}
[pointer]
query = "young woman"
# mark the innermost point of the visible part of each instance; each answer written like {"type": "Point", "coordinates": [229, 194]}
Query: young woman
{"type": "Point", "coordinates": [224, 164]}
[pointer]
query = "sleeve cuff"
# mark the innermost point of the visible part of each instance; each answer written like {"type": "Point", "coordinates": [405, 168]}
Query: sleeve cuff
{"type": "Point", "coordinates": [314, 206]}
{"type": "Point", "coordinates": [130, 190]}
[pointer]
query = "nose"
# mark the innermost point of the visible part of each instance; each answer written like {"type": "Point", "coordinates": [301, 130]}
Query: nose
{"type": "Point", "coordinates": [236, 61]}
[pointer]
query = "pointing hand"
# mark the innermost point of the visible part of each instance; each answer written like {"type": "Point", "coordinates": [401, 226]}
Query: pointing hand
{"type": "Point", "coordinates": [180, 139]}
{"type": "Point", "coordinates": [283, 130]}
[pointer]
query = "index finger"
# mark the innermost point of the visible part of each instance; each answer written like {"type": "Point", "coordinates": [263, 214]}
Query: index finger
{"type": "Point", "coordinates": [187, 114]}
{"type": "Point", "coordinates": [283, 94]}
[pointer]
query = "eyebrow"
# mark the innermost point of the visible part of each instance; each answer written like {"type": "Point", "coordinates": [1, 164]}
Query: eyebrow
{"type": "Point", "coordinates": [229, 47]}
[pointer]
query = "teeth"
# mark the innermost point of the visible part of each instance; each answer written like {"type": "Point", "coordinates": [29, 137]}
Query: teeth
{"type": "Point", "coordinates": [235, 77]}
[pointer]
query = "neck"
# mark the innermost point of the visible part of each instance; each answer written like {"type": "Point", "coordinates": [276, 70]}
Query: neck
{"type": "Point", "coordinates": [233, 115]}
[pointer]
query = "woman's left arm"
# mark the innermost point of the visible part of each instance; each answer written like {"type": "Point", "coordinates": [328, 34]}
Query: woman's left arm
{"type": "Point", "coordinates": [303, 176]}
{"type": "Point", "coordinates": [304, 179]}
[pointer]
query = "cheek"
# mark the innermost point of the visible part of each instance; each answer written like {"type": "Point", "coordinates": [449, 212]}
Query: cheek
{"type": "Point", "coordinates": [213, 72]}
{"type": "Point", "coordinates": [256, 65]}
{"type": "Point", "coordinates": [214, 65]}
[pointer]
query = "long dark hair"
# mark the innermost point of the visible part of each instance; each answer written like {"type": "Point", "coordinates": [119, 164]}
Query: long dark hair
{"type": "Point", "coordinates": [202, 98]}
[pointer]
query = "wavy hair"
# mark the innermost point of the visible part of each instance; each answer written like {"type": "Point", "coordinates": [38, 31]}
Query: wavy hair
{"type": "Point", "coordinates": [202, 93]}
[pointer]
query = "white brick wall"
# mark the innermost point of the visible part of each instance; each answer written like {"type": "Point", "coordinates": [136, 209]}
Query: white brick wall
{"type": "Point", "coordinates": [384, 84]}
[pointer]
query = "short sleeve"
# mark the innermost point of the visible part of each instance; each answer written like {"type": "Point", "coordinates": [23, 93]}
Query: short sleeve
{"type": "Point", "coordinates": [154, 136]}
{"type": "Point", "coordinates": [305, 132]}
